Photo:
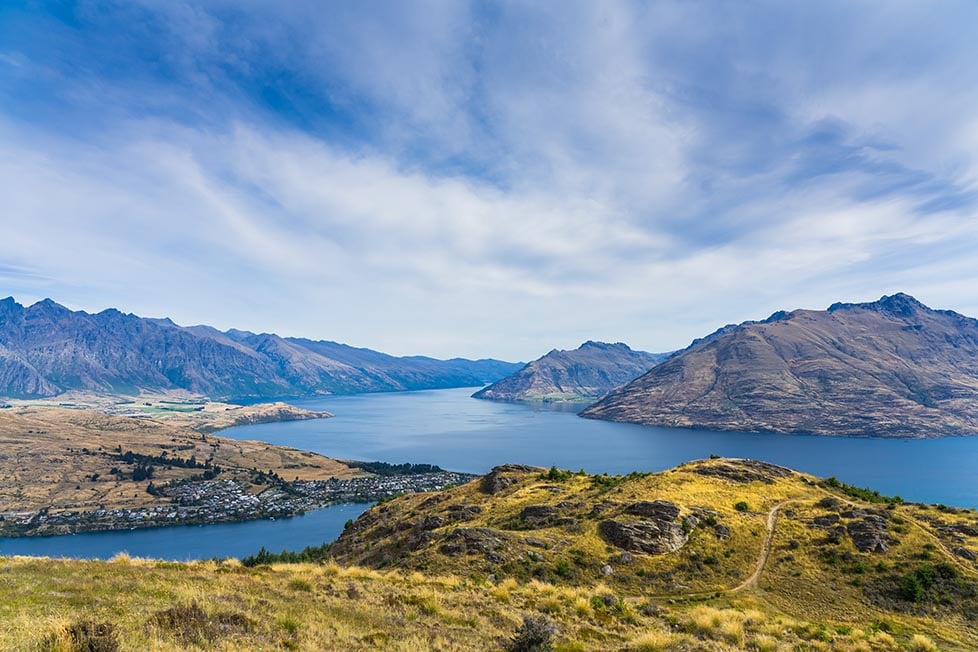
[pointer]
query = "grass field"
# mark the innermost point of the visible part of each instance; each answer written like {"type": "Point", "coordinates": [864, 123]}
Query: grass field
{"type": "Point", "coordinates": [775, 581]}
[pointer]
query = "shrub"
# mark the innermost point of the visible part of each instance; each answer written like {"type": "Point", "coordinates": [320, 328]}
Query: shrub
{"type": "Point", "coordinates": [557, 475]}
{"type": "Point", "coordinates": [190, 624]}
{"type": "Point", "coordinates": [742, 507]}
{"type": "Point", "coordinates": [534, 635]}
{"type": "Point", "coordinates": [84, 636]}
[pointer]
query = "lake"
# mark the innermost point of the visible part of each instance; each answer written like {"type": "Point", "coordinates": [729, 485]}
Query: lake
{"type": "Point", "coordinates": [185, 542]}
{"type": "Point", "coordinates": [459, 433]}
{"type": "Point", "coordinates": [456, 432]}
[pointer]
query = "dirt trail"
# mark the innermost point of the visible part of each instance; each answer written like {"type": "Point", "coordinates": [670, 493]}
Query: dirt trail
{"type": "Point", "coordinates": [765, 553]}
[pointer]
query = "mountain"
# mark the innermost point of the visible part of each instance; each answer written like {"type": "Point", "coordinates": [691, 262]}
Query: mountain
{"type": "Point", "coordinates": [47, 349]}
{"type": "Point", "coordinates": [892, 368]}
{"type": "Point", "coordinates": [588, 372]}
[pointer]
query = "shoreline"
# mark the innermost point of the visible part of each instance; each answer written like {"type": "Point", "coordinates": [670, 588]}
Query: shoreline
{"type": "Point", "coordinates": [226, 501]}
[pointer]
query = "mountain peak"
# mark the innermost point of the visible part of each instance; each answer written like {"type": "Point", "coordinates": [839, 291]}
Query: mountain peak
{"type": "Point", "coordinates": [895, 305]}
{"type": "Point", "coordinates": [604, 346]}
{"type": "Point", "coordinates": [891, 367]}
{"type": "Point", "coordinates": [49, 305]}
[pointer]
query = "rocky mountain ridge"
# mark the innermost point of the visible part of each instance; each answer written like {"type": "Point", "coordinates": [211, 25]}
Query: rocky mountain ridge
{"type": "Point", "coordinates": [892, 367]}
{"type": "Point", "coordinates": [586, 373]}
{"type": "Point", "coordinates": [47, 349]}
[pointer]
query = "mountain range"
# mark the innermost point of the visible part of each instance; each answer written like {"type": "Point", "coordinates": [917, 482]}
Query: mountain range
{"type": "Point", "coordinates": [583, 374]}
{"type": "Point", "coordinates": [892, 367]}
{"type": "Point", "coordinates": [47, 349]}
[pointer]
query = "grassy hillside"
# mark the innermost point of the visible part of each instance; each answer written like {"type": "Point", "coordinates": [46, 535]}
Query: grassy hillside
{"type": "Point", "coordinates": [713, 555]}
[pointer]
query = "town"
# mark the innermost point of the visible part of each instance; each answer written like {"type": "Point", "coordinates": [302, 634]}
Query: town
{"type": "Point", "coordinates": [213, 501]}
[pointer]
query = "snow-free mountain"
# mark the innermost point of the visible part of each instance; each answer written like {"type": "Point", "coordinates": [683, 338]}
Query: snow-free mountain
{"type": "Point", "coordinates": [892, 367]}
{"type": "Point", "coordinates": [583, 374]}
{"type": "Point", "coordinates": [47, 349]}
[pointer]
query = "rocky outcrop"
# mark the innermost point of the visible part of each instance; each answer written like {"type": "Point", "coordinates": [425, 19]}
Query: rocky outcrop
{"type": "Point", "coordinates": [505, 475]}
{"type": "Point", "coordinates": [478, 540]}
{"type": "Point", "coordinates": [965, 553]}
{"type": "Point", "coordinates": [585, 373]}
{"type": "Point", "coordinates": [869, 534]}
{"type": "Point", "coordinates": [743, 471]}
{"type": "Point", "coordinates": [890, 368]}
{"type": "Point", "coordinates": [659, 510]}
{"type": "Point", "coordinates": [657, 533]}
{"type": "Point", "coordinates": [651, 537]}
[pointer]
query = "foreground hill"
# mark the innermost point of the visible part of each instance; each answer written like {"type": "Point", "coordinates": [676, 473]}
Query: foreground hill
{"type": "Point", "coordinates": [586, 373]}
{"type": "Point", "coordinates": [714, 555]}
{"type": "Point", "coordinates": [47, 349]}
{"type": "Point", "coordinates": [892, 368]}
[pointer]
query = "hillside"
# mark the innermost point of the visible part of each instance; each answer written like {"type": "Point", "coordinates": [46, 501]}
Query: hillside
{"type": "Point", "coordinates": [714, 555]}
{"type": "Point", "coordinates": [890, 368]}
{"type": "Point", "coordinates": [586, 373]}
{"type": "Point", "coordinates": [47, 349]}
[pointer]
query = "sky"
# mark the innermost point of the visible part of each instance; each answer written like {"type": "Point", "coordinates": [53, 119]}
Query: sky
{"type": "Point", "coordinates": [487, 179]}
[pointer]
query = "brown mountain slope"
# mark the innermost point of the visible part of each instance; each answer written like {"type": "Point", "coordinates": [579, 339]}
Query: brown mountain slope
{"type": "Point", "coordinates": [586, 373]}
{"type": "Point", "coordinates": [893, 368]}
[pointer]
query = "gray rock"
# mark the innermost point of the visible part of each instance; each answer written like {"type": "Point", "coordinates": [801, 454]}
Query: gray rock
{"type": "Point", "coordinates": [472, 541]}
{"type": "Point", "coordinates": [539, 515]}
{"type": "Point", "coordinates": [657, 509]}
{"type": "Point", "coordinates": [463, 512]}
{"type": "Point", "coordinates": [497, 479]}
{"type": "Point", "coordinates": [651, 537]}
{"type": "Point", "coordinates": [722, 532]}
{"type": "Point", "coordinates": [826, 521]}
{"type": "Point", "coordinates": [869, 534]}
{"type": "Point", "coordinates": [964, 553]}
{"type": "Point", "coordinates": [607, 570]}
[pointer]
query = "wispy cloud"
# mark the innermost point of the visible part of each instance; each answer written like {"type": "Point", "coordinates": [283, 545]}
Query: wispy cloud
{"type": "Point", "coordinates": [468, 178]}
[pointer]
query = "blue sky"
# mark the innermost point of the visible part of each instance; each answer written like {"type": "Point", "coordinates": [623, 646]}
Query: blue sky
{"type": "Point", "coordinates": [487, 179]}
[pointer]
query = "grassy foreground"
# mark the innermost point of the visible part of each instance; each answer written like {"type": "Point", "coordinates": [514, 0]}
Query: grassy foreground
{"type": "Point", "coordinates": [770, 564]}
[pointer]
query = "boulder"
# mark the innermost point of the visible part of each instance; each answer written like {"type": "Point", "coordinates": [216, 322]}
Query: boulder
{"type": "Point", "coordinates": [651, 537]}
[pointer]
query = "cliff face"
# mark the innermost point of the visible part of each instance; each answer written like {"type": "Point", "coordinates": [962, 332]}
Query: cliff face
{"type": "Point", "coordinates": [585, 373]}
{"type": "Point", "coordinates": [893, 367]}
{"type": "Point", "coordinates": [46, 349]}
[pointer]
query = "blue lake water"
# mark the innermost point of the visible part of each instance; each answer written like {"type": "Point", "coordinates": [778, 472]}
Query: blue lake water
{"type": "Point", "coordinates": [448, 428]}
{"type": "Point", "coordinates": [184, 542]}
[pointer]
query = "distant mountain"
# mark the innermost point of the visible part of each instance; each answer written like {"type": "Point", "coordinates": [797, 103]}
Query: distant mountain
{"type": "Point", "coordinates": [586, 373]}
{"type": "Point", "coordinates": [46, 349]}
{"type": "Point", "coordinates": [893, 367]}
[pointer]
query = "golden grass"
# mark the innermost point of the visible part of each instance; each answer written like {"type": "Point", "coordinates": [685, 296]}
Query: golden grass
{"type": "Point", "coordinates": [421, 599]}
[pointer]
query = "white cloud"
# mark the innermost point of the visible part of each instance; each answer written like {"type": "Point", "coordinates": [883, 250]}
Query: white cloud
{"type": "Point", "coordinates": [517, 181]}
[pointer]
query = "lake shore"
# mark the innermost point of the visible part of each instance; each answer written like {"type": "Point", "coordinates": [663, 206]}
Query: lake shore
{"type": "Point", "coordinates": [228, 501]}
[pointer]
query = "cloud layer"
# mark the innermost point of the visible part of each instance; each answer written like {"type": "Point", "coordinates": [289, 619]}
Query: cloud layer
{"type": "Point", "coordinates": [487, 179]}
